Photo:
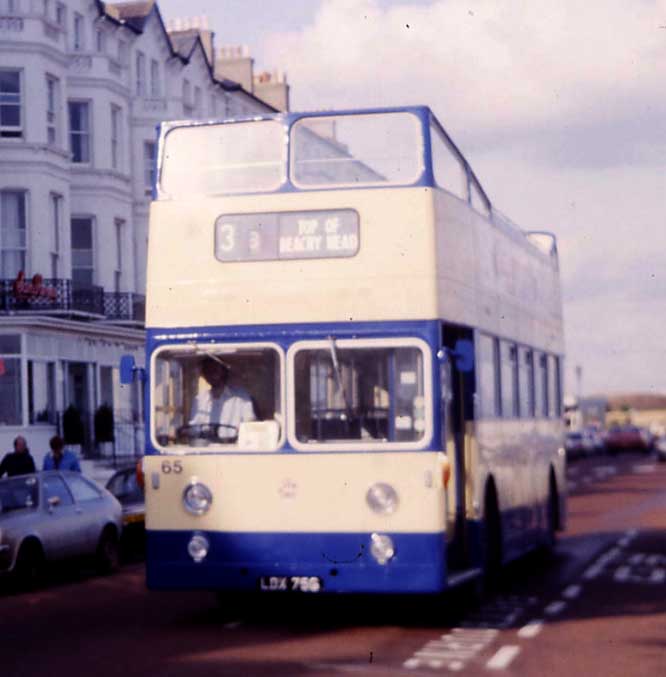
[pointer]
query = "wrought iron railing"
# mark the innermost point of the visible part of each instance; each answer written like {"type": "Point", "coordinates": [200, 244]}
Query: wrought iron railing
{"type": "Point", "coordinates": [46, 295]}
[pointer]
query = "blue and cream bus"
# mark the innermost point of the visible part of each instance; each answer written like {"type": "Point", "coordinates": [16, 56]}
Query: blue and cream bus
{"type": "Point", "coordinates": [400, 342]}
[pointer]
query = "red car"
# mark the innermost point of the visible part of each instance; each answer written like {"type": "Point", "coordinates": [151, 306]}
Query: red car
{"type": "Point", "coordinates": [627, 438]}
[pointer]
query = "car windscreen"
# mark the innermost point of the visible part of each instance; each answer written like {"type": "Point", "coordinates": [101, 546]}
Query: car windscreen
{"type": "Point", "coordinates": [221, 159]}
{"type": "Point", "coordinates": [18, 494]}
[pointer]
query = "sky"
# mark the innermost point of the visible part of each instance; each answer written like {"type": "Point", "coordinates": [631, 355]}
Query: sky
{"type": "Point", "coordinates": [560, 108]}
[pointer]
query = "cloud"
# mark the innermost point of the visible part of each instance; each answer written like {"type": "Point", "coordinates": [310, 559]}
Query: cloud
{"type": "Point", "coordinates": [497, 71]}
{"type": "Point", "coordinates": [561, 110]}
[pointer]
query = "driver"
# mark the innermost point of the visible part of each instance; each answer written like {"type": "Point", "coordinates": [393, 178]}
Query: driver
{"type": "Point", "coordinates": [222, 404]}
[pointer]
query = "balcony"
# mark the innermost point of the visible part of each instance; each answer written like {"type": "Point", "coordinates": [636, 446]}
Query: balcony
{"type": "Point", "coordinates": [61, 297]}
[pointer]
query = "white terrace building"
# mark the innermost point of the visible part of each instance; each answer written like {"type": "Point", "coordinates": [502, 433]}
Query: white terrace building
{"type": "Point", "coordinates": [82, 86]}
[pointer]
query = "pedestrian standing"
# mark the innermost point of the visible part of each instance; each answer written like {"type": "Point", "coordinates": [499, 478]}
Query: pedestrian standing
{"type": "Point", "coordinates": [60, 458]}
{"type": "Point", "coordinates": [19, 461]}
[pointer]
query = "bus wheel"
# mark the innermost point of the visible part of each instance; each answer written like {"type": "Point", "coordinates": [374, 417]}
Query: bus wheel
{"type": "Point", "coordinates": [552, 514]}
{"type": "Point", "coordinates": [492, 540]}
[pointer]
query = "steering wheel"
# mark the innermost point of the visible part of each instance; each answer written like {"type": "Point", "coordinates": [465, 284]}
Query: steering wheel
{"type": "Point", "coordinates": [210, 432]}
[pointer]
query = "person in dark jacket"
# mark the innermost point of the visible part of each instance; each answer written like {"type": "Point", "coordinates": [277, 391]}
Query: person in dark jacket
{"type": "Point", "coordinates": [19, 461]}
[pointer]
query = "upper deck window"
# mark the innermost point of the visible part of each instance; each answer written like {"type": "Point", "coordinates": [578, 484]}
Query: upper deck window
{"type": "Point", "coordinates": [356, 150]}
{"type": "Point", "coordinates": [239, 157]}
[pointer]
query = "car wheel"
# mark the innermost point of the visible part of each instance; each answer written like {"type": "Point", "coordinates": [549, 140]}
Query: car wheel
{"type": "Point", "coordinates": [30, 565]}
{"type": "Point", "coordinates": [108, 552]}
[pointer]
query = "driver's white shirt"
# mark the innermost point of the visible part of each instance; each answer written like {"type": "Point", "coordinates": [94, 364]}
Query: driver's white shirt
{"type": "Point", "coordinates": [231, 407]}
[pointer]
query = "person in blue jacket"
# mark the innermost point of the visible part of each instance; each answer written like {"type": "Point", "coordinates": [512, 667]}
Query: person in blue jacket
{"type": "Point", "coordinates": [60, 458]}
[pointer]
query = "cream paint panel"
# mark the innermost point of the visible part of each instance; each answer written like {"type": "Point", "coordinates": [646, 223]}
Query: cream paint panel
{"type": "Point", "coordinates": [392, 276]}
{"type": "Point", "coordinates": [328, 493]}
{"type": "Point", "coordinates": [494, 279]}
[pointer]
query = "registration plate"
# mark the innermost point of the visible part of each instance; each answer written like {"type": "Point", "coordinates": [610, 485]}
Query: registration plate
{"type": "Point", "coordinates": [290, 584]}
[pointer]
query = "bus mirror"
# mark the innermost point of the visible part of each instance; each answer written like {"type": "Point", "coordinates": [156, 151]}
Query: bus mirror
{"type": "Point", "coordinates": [127, 369]}
{"type": "Point", "coordinates": [463, 355]}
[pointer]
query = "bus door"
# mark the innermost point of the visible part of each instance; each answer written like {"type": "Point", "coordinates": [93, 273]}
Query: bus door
{"type": "Point", "coordinates": [457, 402]}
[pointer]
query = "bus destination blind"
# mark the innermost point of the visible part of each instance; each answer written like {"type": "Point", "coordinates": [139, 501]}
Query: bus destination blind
{"type": "Point", "coordinates": [287, 235]}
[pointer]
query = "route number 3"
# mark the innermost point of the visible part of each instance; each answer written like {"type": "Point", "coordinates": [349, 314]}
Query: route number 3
{"type": "Point", "coordinates": [175, 467]}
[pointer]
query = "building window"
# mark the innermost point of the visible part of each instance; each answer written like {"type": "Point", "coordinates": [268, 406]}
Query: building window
{"type": "Point", "coordinates": [149, 164]}
{"type": "Point", "coordinates": [187, 99]}
{"type": "Point", "coordinates": [100, 41]}
{"type": "Point", "coordinates": [122, 52]}
{"type": "Point", "coordinates": [77, 44]}
{"type": "Point", "coordinates": [46, 8]}
{"type": "Point", "coordinates": [79, 131]}
{"type": "Point", "coordinates": [116, 137]}
{"type": "Point", "coordinates": [155, 85]}
{"type": "Point", "coordinates": [61, 15]}
{"type": "Point", "coordinates": [120, 226]}
{"type": "Point", "coordinates": [10, 104]}
{"type": "Point", "coordinates": [10, 391]}
{"type": "Point", "coordinates": [41, 392]}
{"type": "Point", "coordinates": [10, 380]}
{"type": "Point", "coordinates": [83, 269]}
{"type": "Point", "coordinates": [197, 102]}
{"type": "Point", "coordinates": [12, 232]}
{"type": "Point", "coordinates": [56, 219]}
{"type": "Point", "coordinates": [52, 106]}
{"type": "Point", "coordinates": [140, 73]}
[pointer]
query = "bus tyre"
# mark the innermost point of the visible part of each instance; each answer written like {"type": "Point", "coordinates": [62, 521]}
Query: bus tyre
{"type": "Point", "coordinates": [492, 541]}
{"type": "Point", "coordinates": [552, 514]}
{"type": "Point", "coordinates": [108, 552]}
{"type": "Point", "coordinates": [30, 565]}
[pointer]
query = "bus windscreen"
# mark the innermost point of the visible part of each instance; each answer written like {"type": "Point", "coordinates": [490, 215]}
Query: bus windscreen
{"type": "Point", "coordinates": [221, 159]}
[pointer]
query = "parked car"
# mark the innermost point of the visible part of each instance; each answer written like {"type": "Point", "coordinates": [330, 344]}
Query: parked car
{"type": "Point", "coordinates": [51, 516]}
{"type": "Point", "coordinates": [579, 443]}
{"type": "Point", "coordinates": [124, 485]}
{"type": "Point", "coordinates": [660, 448]}
{"type": "Point", "coordinates": [627, 438]}
{"type": "Point", "coordinates": [596, 438]}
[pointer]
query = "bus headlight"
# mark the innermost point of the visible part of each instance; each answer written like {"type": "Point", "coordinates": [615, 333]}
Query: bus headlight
{"type": "Point", "coordinates": [197, 498]}
{"type": "Point", "coordinates": [198, 547]}
{"type": "Point", "coordinates": [382, 498]}
{"type": "Point", "coordinates": [381, 548]}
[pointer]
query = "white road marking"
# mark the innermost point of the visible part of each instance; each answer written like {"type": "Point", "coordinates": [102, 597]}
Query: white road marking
{"type": "Point", "coordinates": [555, 608]}
{"type": "Point", "coordinates": [572, 591]}
{"type": "Point", "coordinates": [658, 576]}
{"type": "Point", "coordinates": [502, 659]}
{"type": "Point", "coordinates": [644, 469]}
{"type": "Point", "coordinates": [411, 663]}
{"type": "Point", "coordinates": [638, 558]}
{"type": "Point", "coordinates": [435, 664]}
{"type": "Point", "coordinates": [622, 574]}
{"type": "Point", "coordinates": [531, 629]}
{"type": "Point", "coordinates": [592, 572]}
{"type": "Point", "coordinates": [456, 666]}
{"type": "Point", "coordinates": [232, 625]}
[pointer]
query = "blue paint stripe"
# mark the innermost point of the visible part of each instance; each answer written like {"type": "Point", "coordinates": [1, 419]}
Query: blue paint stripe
{"type": "Point", "coordinates": [343, 562]}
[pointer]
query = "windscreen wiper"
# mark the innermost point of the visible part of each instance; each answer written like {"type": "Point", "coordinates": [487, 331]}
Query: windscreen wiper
{"type": "Point", "coordinates": [338, 376]}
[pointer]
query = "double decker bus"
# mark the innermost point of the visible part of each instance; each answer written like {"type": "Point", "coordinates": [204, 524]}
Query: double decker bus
{"type": "Point", "coordinates": [389, 416]}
